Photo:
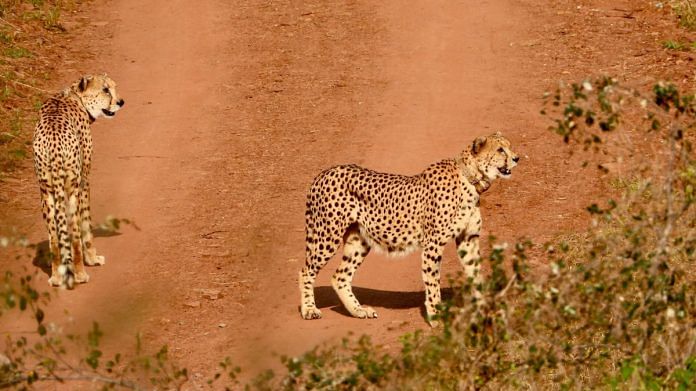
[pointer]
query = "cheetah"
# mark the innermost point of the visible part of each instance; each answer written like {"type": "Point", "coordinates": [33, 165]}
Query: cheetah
{"type": "Point", "coordinates": [62, 158]}
{"type": "Point", "coordinates": [398, 214]}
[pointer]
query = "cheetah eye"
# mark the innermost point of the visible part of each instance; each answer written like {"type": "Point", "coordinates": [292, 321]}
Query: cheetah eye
{"type": "Point", "coordinates": [501, 150]}
{"type": "Point", "coordinates": [106, 89]}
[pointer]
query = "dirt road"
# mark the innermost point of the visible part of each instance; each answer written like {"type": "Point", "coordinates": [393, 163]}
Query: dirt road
{"type": "Point", "coordinates": [233, 107]}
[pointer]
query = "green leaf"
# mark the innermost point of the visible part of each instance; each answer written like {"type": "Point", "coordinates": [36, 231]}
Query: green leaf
{"type": "Point", "coordinates": [39, 315]}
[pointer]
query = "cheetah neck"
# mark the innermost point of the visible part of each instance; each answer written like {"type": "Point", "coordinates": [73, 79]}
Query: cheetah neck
{"type": "Point", "coordinates": [470, 171]}
{"type": "Point", "coordinates": [68, 92]}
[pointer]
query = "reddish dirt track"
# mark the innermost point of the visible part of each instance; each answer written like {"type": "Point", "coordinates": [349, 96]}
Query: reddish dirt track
{"type": "Point", "coordinates": [233, 107]}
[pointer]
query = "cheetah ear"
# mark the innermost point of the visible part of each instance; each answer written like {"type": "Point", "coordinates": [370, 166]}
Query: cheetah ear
{"type": "Point", "coordinates": [498, 134]}
{"type": "Point", "coordinates": [84, 82]}
{"type": "Point", "coordinates": [478, 144]}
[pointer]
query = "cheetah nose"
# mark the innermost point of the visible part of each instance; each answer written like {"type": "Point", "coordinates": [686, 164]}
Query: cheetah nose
{"type": "Point", "coordinates": [516, 159]}
{"type": "Point", "coordinates": [121, 102]}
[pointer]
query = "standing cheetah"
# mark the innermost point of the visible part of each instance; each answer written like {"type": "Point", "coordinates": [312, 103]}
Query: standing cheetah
{"type": "Point", "coordinates": [62, 158]}
{"type": "Point", "coordinates": [398, 214]}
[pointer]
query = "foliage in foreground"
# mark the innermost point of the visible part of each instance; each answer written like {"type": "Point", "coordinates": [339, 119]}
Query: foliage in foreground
{"type": "Point", "coordinates": [48, 355]}
{"type": "Point", "coordinates": [45, 354]}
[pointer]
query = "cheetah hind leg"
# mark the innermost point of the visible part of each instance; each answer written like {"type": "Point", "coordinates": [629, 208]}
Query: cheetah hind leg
{"type": "Point", "coordinates": [91, 257]}
{"type": "Point", "coordinates": [318, 254]}
{"type": "Point", "coordinates": [308, 307]}
{"type": "Point", "coordinates": [65, 276]}
{"type": "Point", "coordinates": [355, 249]}
{"type": "Point", "coordinates": [78, 264]}
{"type": "Point", "coordinates": [49, 213]}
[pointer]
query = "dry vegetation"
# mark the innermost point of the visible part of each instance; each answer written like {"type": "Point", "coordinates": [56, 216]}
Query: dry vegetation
{"type": "Point", "coordinates": [686, 12]}
{"type": "Point", "coordinates": [32, 42]}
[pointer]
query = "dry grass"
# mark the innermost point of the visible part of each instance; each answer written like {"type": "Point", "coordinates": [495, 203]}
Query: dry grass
{"type": "Point", "coordinates": [31, 35]}
{"type": "Point", "coordinates": [686, 11]}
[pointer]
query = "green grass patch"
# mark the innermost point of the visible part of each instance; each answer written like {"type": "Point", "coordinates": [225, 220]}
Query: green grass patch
{"type": "Point", "coordinates": [16, 52]}
{"type": "Point", "coordinates": [674, 45]}
{"type": "Point", "coordinates": [48, 16]}
{"type": "Point", "coordinates": [6, 37]}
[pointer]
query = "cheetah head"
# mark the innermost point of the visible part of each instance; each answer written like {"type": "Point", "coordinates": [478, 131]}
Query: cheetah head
{"type": "Point", "coordinates": [493, 156]}
{"type": "Point", "coordinates": [98, 95]}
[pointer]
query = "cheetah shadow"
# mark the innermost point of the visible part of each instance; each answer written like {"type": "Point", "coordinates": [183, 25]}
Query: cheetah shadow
{"type": "Point", "coordinates": [326, 298]}
{"type": "Point", "coordinates": [42, 256]}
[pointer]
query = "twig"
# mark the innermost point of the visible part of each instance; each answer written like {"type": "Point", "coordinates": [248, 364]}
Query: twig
{"type": "Point", "coordinates": [509, 284]}
{"type": "Point", "coordinates": [669, 213]}
{"type": "Point", "coordinates": [26, 85]}
{"type": "Point", "coordinates": [78, 377]}
{"type": "Point", "coordinates": [10, 24]}
{"type": "Point", "coordinates": [141, 157]}
{"type": "Point", "coordinates": [209, 235]}
{"type": "Point", "coordinates": [97, 378]}
{"type": "Point", "coordinates": [60, 357]}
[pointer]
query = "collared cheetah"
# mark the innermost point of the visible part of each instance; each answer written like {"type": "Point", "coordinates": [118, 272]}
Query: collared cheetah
{"type": "Point", "coordinates": [364, 209]}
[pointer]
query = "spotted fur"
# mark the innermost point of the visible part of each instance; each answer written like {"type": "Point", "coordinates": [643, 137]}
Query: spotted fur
{"type": "Point", "coordinates": [364, 209]}
{"type": "Point", "coordinates": [62, 159]}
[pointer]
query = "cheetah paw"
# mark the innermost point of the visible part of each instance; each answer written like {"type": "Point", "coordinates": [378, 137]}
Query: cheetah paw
{"type": "Point", "coordinates": [55, 281]}
{"type": "Point", "coordinates": [430, 318]}
{"type": "Point", "coordinates": [62, 281]}
{"type": "Point", "coordinates": [311, 313]}
{"type": "Point", "coordinates": [364, 312]}
{"type": "Point", "coordinates": [98, 260]}
{"type": "Point", "coordinates": [81, 278]}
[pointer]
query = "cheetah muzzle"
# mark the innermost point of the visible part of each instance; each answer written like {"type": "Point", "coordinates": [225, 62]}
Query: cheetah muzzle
{"type": "Point", "coordinates": [363, 209]}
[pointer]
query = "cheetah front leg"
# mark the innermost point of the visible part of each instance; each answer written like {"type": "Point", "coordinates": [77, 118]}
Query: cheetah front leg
{"type": "Point", "coordinates": [48, 208]}
{"type": "Point", "coordinates": [91, 257]}
{"type": "Point", "coordinates": [431, 260]}
{"type": "Point", "coordinates": [469, 255]}
{"type": "Point", "coordinates": [355, 249]}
